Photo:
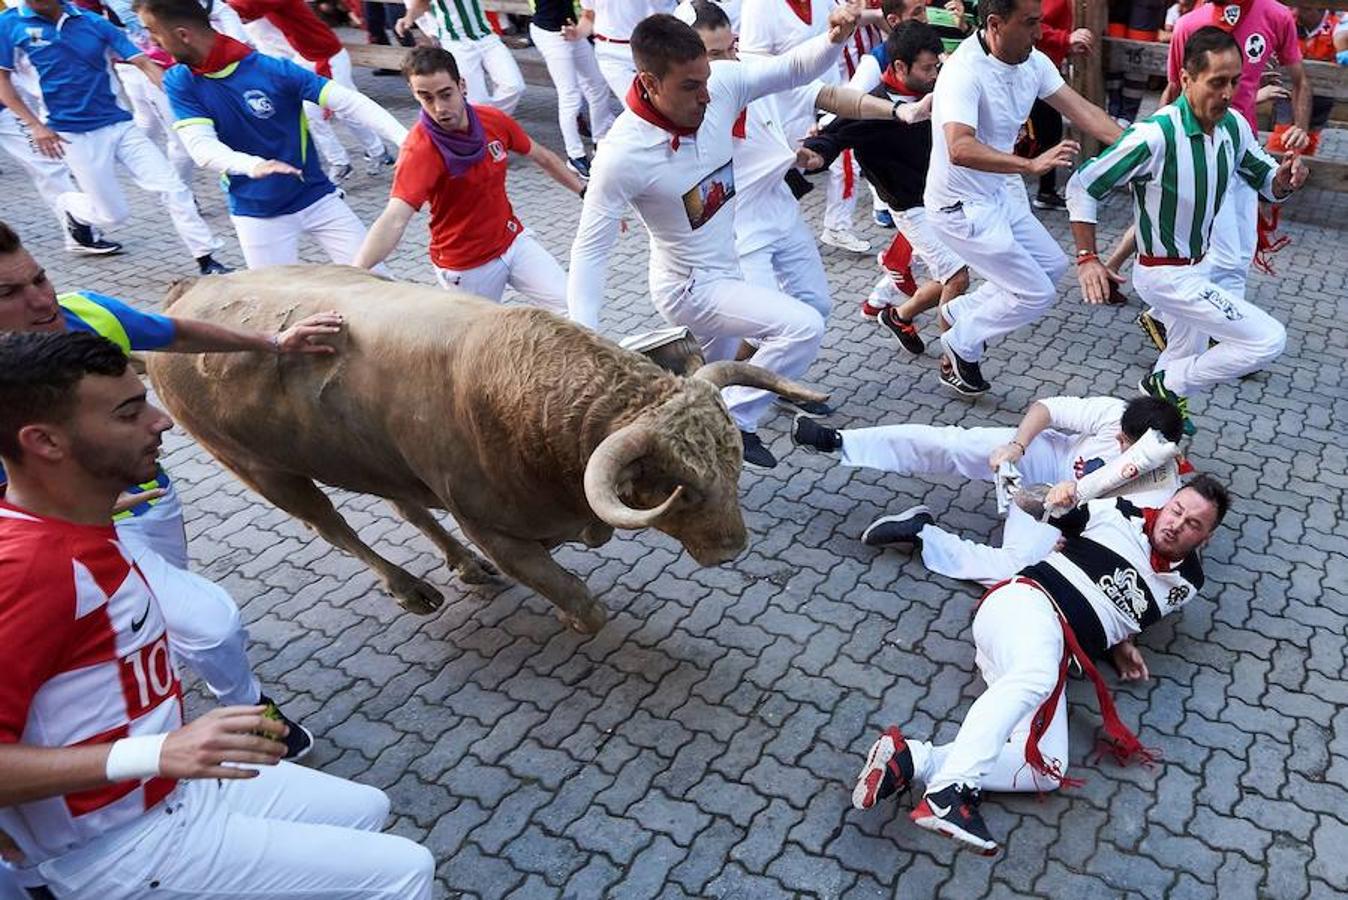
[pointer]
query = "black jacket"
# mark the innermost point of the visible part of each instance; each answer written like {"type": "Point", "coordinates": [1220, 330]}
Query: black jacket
{"type": "Point", "coordinates": [893, 155]}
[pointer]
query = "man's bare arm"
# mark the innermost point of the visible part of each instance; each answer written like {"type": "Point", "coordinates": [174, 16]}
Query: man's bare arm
{"type": "Point", "coordinates": [1085, 115]}
{"type": "Point", "coordinates": [47, 141]}
{"type": "Point", "coordinates": [966, 150]}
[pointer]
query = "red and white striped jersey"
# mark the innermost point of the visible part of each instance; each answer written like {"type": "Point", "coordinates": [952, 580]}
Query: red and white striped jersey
{"type": "Point", "coordinates": [862, 41]}
{"type": "Point", "coordinates": [86, 661]}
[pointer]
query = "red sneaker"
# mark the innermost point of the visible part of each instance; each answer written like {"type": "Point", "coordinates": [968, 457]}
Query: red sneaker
{"type": "Point", "coordinates": [869, 310]}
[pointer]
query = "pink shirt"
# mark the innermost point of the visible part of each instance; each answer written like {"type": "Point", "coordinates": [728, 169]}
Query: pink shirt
{"type": "Point", "coordinates": [1265, 30]}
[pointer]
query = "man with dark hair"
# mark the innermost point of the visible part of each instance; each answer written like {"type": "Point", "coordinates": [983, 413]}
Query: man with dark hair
{"type": "Point", "coordinates": [240, 113]}
{"type": "Point", "coordinates": [1058, 438]}
{"type": "Point", "coordinates": [1119, 570]}
{"type": "Point", "coordinates": [1181, 165]}
{"type": "Point", "coordinates": [670, 156]}
{"type": "Point", "coordinates": [208, 635]}
{"type": "Point", "coordinates": [894, 157]}
{"type": "Point", "coordinates": [974, 201]}
{"type": "Point", "coordinates": [455, 157]}
{"type": "Point", "coordinates": [102, 787]}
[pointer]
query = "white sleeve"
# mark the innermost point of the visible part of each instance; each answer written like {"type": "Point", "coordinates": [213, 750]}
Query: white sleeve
{"type": "Point", "coordinates": [956, 97]}
{"type": "Point", "coordinates": [356, 107]}
{"type": "Point", "coordinates": [1050, 79]}
{"type": "Point", "coordinates": [757, 34]}
{"type": "Point", "coordinates": [173, 585]}
{"type": "Point", "coordinates": [209, 152]}
{"type": "Point", "coordinates": [867, 76]}
{"type": "Point", "coordinates": [1172, 16]}
{"type": "Point", "coordinates": [1084, 415]}
{"type": "Point", "coordinates": [606, 200]}
{"type": "Point", "coordinates": [757, 77]}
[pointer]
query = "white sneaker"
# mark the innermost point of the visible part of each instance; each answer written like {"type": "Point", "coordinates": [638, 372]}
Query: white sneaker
{"type": "Point", "coordinates": [844, 240]}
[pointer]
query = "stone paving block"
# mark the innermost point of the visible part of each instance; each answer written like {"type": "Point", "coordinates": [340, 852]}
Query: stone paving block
{"type": "Point", "coordinates": [599, 832]}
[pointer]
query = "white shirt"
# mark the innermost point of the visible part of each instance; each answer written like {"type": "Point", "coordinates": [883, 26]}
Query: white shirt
{"type": "Point", "coordinates": [770, 28]}
{"type": "Point", "coordinates": [615, 19]}
{"type": "Point", "coordinates": [765, 208]}
{"type": "Point", "coordinates": [682, 195]}
{"type": "Point", "coordinates": [994, 98]}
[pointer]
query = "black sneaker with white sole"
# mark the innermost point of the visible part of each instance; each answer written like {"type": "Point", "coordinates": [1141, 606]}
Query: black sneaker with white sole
{"type": "Point", "coordinates": [298, 740]}
{"type": "Point", "coordinates": [84, 240]}
{"type": "Point", "coordinates": [209, 265]}
{"type": "Point", "coordinates": [903, 329]}
{"type": "Point", "coordinates": [960, 375]}
{"type": "Point", "coordinates": [580, 165]}
{"type": "Point", "coordinates": [899, 530]}
{"type": "Point", "coordinates": [807, 433]}
{"type": "Point", "coordinates": [1049, 200]}
{"type": "Point", "coordinates": [888, 770]}
{"type": "Point", "coordinates": [953, 812]}
{"type": "Point", "coordinates": [756, 455]}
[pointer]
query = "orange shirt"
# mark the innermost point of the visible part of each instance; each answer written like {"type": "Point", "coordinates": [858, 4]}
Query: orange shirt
{"type": "Point", "coordinates": [472, 221]}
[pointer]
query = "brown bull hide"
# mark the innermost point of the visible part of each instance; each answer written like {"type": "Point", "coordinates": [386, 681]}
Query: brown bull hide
{"type": "Point", "coordinates": [440, 400]}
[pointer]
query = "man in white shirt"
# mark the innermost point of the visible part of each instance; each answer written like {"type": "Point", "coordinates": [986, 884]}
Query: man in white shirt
{"type": "Point", "coordinates": [669, 156]}
{"type": "Point", "coordinates": [982, 99]}
{"type": "Point", "coordinates": [610, 23]}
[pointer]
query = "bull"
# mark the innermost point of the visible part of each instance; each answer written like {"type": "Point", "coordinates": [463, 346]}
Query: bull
{"type": "Point", "coordinates": [528, 429]}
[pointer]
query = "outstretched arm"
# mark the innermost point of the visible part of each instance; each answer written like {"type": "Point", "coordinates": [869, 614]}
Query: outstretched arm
{"type": "Point", "coordinates": [196, 336]}
{"type": "Point", "coordinates": [1036, 419]}
{"type": "Point", "coordinates": [1085, 115]}
{"type": "Point", "coordinates": [47, 141]}
{"type": "Point", "coordinates": [356, 107]}
{"type": "Point", "coordinates": [384, 234]}
{"type": "Point", "coordinates": [760, 76]}
{"type": "Point", "coordinates": [551, 163]}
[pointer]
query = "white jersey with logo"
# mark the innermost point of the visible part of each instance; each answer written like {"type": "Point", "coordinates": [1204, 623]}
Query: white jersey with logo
{"type": "Point", "coordinates": [990, 96]}
{"type": "Point", "coordinates": [86, 661]}
{"type": "Point", "coordinates": [615, 19]}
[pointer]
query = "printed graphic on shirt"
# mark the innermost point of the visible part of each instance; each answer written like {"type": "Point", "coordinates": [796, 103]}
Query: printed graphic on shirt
{"type": "Point", "coordinates": [259, 104]}
{"type": "Point", "coordinates": [709, 195]}
{"type": "Point", "coordinates": [1124, 592]}
{"type": "Point", "coordinates": [1176, 597]}
{"type": "Point", "coordinates": [1231, 14]}
{"type": "Point", "coordinates": [496, 150]}
{"type": "Point", "coordinates": [1255, 47]}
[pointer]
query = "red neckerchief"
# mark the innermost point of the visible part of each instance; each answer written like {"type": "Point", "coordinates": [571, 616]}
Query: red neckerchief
{"type": "Point", "coordinates": [639, 102]}
{"type": "Point", "coordinates": [224, 52]}
{"type": "Point", "coordinates": [741, 127]}
{"type": "Point", "coordinates": [804, 10]}
{"type": "Point", "coordinates": [1219, 8]}
{"type": "Point", "coordinates": [1158, 562]}
{"type": "Point", "coordinates": [891, 81]}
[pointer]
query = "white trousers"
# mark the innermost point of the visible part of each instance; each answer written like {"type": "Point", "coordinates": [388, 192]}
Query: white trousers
{"type": "Point", "coordinates": [50, 176]}
{"type": "Point", "coordinates": [205, 629]}
{"type": "Point", "coordinates": [291, 833]}
{"type": "Point", "coordinates": [526, 266]}
{"type": "Point", "coordinates": [617, 67]}
{"type": "Point", "coordinates": [839, 208]}
{"type": "Point", "coordinates": [1235, 235]}
{"type": "Point", "coordinates": [951, 450]}
{"type": "Point", "coordinates": [152, 115]}
{"type": "Point", "coordinates": [939, 260]}
{"type": "Point", "coordinates": [1000, 239]}
{"type": "Point", "coordinates": [575, 73]}
{"type": "Point", "coordinates": [792, 265]}
{"type": "Point", "coordinates": [1019, 646]}
{"type": "Point", "coordinates": [326, 141]}
{"type": "Point", "coordinates": [275, 241]}
{"type": "Point", "coordinates": [483, 59]}
{"type": "Point", "coordinates": [721, 313]}
{"type": "Point", "coordinates": [367, 137]}
{"type": "Point", "coordinates": [92, 158]}
{"type": "Point", "coordinates": [1194, 309]}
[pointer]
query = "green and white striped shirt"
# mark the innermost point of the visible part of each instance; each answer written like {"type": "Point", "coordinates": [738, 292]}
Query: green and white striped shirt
{"type": "Point", "coordinates": [1178, 176]}
{"type": "Point", "coordinates": [460, 20]}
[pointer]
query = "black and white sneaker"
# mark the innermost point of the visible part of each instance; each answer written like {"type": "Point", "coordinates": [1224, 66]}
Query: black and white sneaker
{"type": "Point", "coordinates": [299, 740]}
{"type": "Point", "coordinates": [899, 530]}
{"type": "Point", "coordinates": [960, 375]}
{"type": "Point", "coordinates": [807, 433]}
{"type": "Point", "coordinates": [580, 165]}
{"type": "Point", "coordinates": [376, 164]}
{"type": "Point", "coordinates": [953, 812]}
{"type": "Point", "coordinates": [86, 241]}
{"type": "Point", "coordinates": [756, 455]}
{"type": "Point", "coordinates": [209, 265]}
{"type": "Point", "coordinates": [903, 329]}
{"type": "Point", "coordinates": [888, 770]}
{"type": "Point", "coordinates": [1050, 200]}
{"type": "Point", "coordinates": [808, 407]}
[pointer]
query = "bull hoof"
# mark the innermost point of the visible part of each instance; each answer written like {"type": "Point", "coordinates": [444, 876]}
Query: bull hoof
{"type": "Point", "coordinates": [415, 596]}
{"type": "Point", "coordinates": [588, 622]}
{"type": "Point", "coordinates": [477, 571]}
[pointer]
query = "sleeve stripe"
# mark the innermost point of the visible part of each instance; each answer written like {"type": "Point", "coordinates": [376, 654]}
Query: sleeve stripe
{"type": "Point", "coordinates": [197, 120]}
{"type": "Point", "coordinates": [323, 94]}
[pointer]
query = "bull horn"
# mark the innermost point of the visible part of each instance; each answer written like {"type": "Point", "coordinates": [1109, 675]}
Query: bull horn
{"type": "Point", "coordinates": [605, 467]}
{"type": "Point", "coordinates": [725, 373]}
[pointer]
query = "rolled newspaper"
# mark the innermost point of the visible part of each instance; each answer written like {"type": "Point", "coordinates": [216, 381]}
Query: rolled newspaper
{"type": "Point", "coordinates": [1009, 483]}
{"type": "Point", "coordinates": [1151, 457]}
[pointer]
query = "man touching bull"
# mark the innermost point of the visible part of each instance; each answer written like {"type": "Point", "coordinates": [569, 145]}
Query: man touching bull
{"type": "Point", "coordinates": [669, 156]}
{"type": "Point", "coordinates": [206, 633]}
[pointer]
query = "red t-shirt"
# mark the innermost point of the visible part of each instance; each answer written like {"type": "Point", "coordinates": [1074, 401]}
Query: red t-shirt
{"type": "Point", "coordinates": [472, 221]}
{"type": "Point", "coordinates": [1057, 30]}
{"type": "Point", "coordinates": [302, 28]}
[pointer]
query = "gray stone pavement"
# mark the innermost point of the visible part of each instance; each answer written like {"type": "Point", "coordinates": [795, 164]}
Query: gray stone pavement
{"type": "Point", "coordinates": [704, 744]}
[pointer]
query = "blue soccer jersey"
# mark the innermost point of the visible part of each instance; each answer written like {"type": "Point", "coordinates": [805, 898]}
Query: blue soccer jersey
{"type": "Point", "coordinates": [128, 328]}
{"type": "Point", "coordinates": [257, 106]}
{"type": "Point", "coordinates": [73, 57]}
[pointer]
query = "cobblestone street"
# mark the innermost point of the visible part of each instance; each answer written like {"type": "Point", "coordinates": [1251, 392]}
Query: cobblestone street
{"type": "Point", "coordinates": [705, 743]}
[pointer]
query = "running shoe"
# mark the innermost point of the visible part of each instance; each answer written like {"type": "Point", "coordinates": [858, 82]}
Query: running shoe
{"type": "Point", "coordinates": [1153, 328]}
{"type": "Point", "coordinates": [888, 770]}
{"type": "Point", "coordinates": [870, 310]}
{"type": "Point", "coordinates": [580, 165]}
{"type": "Point", "coordinates": [844, 240]}
{"type": "Point", "coordinates": [756, 454]}
{"type": "Point", "coordinates": [904, 330]}
{"type": "Point", "coordinates": [299, 740]}
{"type": "Point", "coordinates": [1050, 200]}
{"type": "Point", "coordinates": [86, 241]}
{"type": "Point", "coordinates": [882, 217]}
{"type": "Point", "coordinates": [960, 375]}
{"type": "Point", "coordinates": [1154, 386]}
{"type": "Point", "coordinates": [807, 433]}
{"type": "Point", "coordinates": [953, 812]}
{"type": "Point", "coordinates": [899, 530]}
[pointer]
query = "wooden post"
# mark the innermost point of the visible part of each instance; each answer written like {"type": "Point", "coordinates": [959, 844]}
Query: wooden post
{"type": "Point", "coordinates": [1088, 73]}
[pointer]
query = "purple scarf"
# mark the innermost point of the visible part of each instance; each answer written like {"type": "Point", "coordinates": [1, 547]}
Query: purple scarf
{"type": "Point", "coordinates": [461, 150]}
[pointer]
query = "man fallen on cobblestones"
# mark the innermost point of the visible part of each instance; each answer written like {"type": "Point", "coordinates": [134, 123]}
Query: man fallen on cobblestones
{"type": "Point", "coordinates": [670, 156]}
{"type": "Point", "coordinates": [205, 629]}
{"type": "Point", "coordinates": [1059, 438]}
{"type": "Point", "coordinates": [1121, 568]}
{"type": "Point", "coordinates": [456, 158]}
{"type": "Point", "coordinates": [240, 113]}
{"type": "Point", "coordinates": [1181, 165]}
{"type": "Point", "coordinates": [102, 787]}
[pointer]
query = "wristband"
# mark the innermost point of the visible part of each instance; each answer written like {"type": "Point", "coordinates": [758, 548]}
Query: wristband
{"type": "Point", "coordinates": [894, 110]}
{"type": "Point", "coordinates": [1083, 258]}
{"type": "Point", "coordinates": [275, 341]}
{"type": "Point", "coordinates": [134, 758]}
{"type": "Point", "coordinates": [1018, 444]}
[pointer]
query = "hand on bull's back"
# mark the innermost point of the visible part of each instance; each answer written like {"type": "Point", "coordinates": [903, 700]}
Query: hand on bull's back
{"type": "Point", "coordinates": [307, 335]}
